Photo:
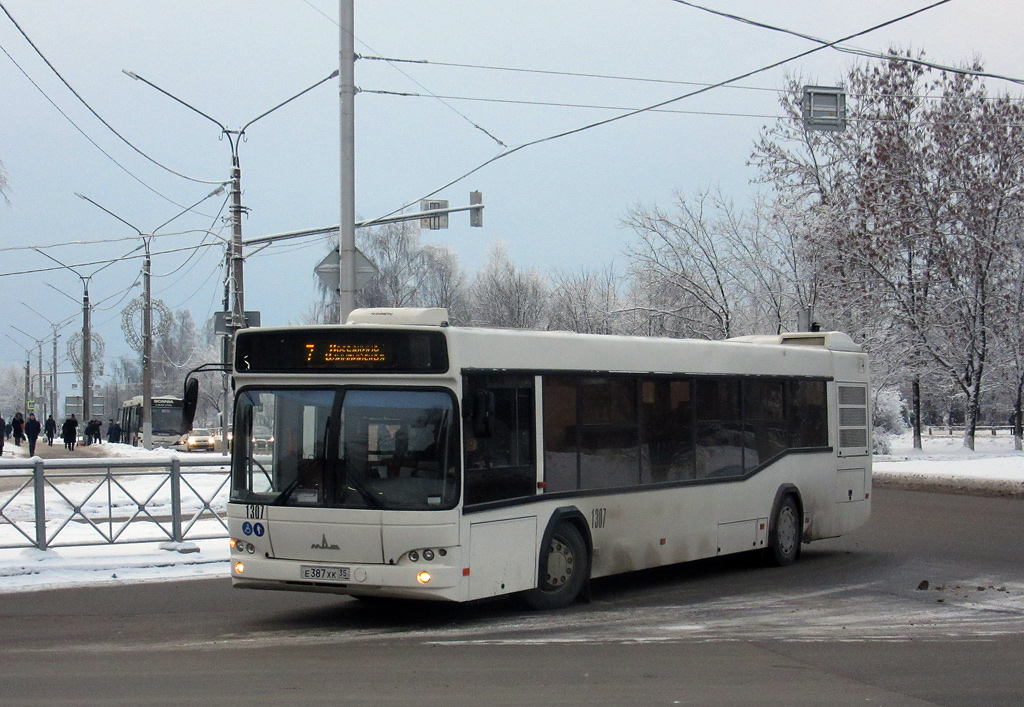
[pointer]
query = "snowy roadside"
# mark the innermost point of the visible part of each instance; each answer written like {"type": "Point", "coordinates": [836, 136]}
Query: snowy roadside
{"type": "Point", "coordinates": [994, 468]}
{"type": "Point", "coordinates": [944, 465]}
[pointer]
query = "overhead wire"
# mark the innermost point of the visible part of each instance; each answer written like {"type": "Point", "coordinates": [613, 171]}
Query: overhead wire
{"type": "Point", "coordinates": [724, 114]}
{"type": "Point", "coordinates": [86, 135]}
{"type": "Point", "coordinates": [466, 118]}
{"type": "Point", "coordinates": [100, 118]}
{"type": "Point", "coordinates": [849, 50]}
{"type": "Point", "coordinates": [634, 79]}
{"type": "Point", "coordinates": [629, 114]}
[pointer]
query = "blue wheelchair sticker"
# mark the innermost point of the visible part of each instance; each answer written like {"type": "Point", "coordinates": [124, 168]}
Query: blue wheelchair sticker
{"type": "Point", "coordinates": [247, 528]}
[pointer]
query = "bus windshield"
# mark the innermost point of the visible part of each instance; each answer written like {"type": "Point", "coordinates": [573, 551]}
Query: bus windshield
{"type": "Point", "coordinates": [167, 420]}
{"type": "Point", "coordinates": [346, 448]}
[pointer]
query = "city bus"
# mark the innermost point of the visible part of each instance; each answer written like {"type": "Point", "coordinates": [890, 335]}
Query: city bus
{"type": "Point", "coordinates": [412, 459]}
{"type": "Point", "coordinates": [167, 413]}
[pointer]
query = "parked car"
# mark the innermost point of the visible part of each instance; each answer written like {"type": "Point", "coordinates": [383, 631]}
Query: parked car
{"type": "Point", "coordinates": [201, 439]}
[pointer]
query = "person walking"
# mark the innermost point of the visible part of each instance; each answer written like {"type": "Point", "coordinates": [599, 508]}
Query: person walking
{"type": "Point", "coordinates": [3, 434]}
{"type": "Point", "coordinates": [113, 432]}
{"type": "Point", "coordinates": [69, 432]}
{"type": "Point", "coordinates": [18, 428]}
{"type": "Point", "coordinates": [50, 427]}
{"type": "Point", "coordinates": [32, 430]}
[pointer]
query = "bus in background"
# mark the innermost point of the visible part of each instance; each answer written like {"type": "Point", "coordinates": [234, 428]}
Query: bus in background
{"type": "Point", "coordinates": [412, 459]}
{"type": "Point", "coordinates": [168, 425]}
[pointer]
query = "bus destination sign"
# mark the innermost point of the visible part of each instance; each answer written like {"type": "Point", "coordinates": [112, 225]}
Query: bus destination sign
{"type": "Point", "coordinates": [310, 350]}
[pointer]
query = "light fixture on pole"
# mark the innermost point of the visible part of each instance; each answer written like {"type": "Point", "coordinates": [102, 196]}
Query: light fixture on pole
{"type": "Point", "coordinates": [234, 274]}
{"type": "Point", "coordinates": [55, 326]}
{"type": "Point", "coordinates": [86, 331]}
{"type": "Point", "coordinates": [147, 312]}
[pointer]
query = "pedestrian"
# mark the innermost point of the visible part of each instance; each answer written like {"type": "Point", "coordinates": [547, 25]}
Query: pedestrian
{"type": "Point", "coordinates": [32, 429]}
{"type": "Point", "coordinates": [51, 429]}
{"type": "Point", "coordinates": [97, 431]}
{"type": "Point", "coordinates": [113, 432]}
{"type": "Point", "coordinates": [3, 434]}
{"type": "Point", "coordinates": [18, 428]}
{"type": "Point", "coordinates": [69, 432]}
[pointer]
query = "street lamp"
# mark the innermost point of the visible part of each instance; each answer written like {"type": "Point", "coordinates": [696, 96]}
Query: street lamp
{"type": "Point", "coordinates": [234, 273]}
{"type": "Point", "coordinates": [56, 326]}
{"type": "Point", "coordinates": [234, 138]}
{"type": "Point", "coordinates": [147, 312]}
{"type": "Point", "coordinates": [86, 331]}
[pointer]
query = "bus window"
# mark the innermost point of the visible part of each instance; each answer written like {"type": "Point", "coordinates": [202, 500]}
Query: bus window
{"type": "Point", "coordinates": [808, 417]}
{"type": "Point", "coordinates": [500, 464]}
{"type": "Point", "coordinates": [764, 414]}
{"type": "Point", "coordinates": [667, 451]}
{"type": "Point", "coordinates": [720, 433]}
{"type": "Point", "coordinates": [609, 437]}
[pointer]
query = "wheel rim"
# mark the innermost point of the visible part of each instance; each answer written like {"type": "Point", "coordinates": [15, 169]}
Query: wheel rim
{"type": "Point", "coordinates": [561, 563]}
{"type": "Point", "coordinates": [787, 530]}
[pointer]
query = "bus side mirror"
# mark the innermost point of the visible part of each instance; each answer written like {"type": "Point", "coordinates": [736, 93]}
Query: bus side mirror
{"type": "Point", "coordinates": [190, 401]}
{"type": "Point", "coordinates": [483, 411]}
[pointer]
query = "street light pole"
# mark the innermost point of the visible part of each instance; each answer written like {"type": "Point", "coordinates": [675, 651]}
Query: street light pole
{"type": "Point", "coordinates": [147, 312]}
{"type": "Point", "coordinates": [347, 224]}
{"type": "Point", "coordinates": [235, 274]}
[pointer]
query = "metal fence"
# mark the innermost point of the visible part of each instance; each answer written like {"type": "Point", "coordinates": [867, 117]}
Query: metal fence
{"type": "Point", "coordinates": [65, 503]}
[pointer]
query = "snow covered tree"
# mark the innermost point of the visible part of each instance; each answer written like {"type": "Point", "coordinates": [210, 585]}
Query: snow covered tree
{"type": "Point", "coordinates": [505, 296]}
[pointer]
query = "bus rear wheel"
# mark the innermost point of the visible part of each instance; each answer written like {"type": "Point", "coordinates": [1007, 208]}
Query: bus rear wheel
{"type": "Point", "coordinates": [785, 535]}
{"type": "Point", "coordinates": [568, 566]}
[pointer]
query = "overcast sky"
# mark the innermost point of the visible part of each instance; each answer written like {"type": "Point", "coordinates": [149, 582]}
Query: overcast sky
{"type": "Point", "coordinates": [557, 205]}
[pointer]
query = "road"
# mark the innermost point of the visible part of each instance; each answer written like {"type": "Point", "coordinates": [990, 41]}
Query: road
{"type": "Point", "coordinates": [851, 623]}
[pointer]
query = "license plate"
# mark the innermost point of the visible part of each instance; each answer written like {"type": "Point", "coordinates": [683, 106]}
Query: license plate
{"type": "Point", "coordinates": [330, 574]}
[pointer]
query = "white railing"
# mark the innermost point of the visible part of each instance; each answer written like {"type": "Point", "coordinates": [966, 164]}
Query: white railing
{"type": "Point", "coordinates": [64, 503]}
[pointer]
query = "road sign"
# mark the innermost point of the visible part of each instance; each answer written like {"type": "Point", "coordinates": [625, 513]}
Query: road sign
{"type": "Point", "coordinates": [329, 268]}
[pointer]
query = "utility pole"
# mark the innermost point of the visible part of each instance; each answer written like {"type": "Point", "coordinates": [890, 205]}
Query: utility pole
{"type": "Point", "coordinates": [86, 353]}
{"type": "Point", "coordinates": [147, 350]}
{"type": "Point", "coordinates": [347, 224]}
{"type": "Point", "coordinates": [147, 311]}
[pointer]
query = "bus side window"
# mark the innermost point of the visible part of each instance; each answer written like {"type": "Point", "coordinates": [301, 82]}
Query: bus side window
{"type": "Point", "coordinates": [499, 454]}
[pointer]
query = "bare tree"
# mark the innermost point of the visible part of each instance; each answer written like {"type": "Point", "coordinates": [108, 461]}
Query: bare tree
{"type": "Point", "coordinates": [409, 274]}
{"type": "Point", "coordinates": [587, 301]}
{"type": "Point", "coordinates": [504, 296]}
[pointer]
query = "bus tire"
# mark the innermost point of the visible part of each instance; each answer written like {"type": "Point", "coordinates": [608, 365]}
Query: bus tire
{"type": "Point", "coordinates": [568, 566]}
{"type": "Point", "coordinates": [784, 535]}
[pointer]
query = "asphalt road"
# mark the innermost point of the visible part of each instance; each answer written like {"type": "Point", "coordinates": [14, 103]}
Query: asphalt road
{"type": "Point", "coordinates": [851, 623]}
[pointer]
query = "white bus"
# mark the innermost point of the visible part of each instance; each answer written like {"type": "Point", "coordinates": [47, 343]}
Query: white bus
{"type": "Point", "coordinates": [167, 413]}
{"type": "Point", "coordinates": [412, 459]}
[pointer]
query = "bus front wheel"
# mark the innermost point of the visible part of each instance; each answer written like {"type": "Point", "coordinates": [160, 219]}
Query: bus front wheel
{"type": "Point", "coordinates": [568, 567]}
{"type": "Point", "coordinates": [785, 535]}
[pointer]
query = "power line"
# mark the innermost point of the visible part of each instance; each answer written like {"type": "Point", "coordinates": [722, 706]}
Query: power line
{"type": "Point", "coordinates": [629, 114]}
{"type": "Point", "coordinates": [84, 134]}
{"type": "Point", "coordinates": [466, 118]}
{"type": "Point", "coordinates": [105, 262]}
{"type": "Point", "coordinates": [91, 110]}
{"type": "Point", "coordinates": [636, 79]}
{"type": "Point", "coordinates": [850, 50]}
{"type": "Point", "coordinates": [725, 114]}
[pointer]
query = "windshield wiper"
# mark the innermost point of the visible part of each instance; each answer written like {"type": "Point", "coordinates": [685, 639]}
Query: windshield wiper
{"type": "Point", "coordinates": [282, 497]}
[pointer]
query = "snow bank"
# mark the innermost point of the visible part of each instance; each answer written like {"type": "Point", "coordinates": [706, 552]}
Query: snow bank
{"type": "Point", "coordinates": [993, 468]}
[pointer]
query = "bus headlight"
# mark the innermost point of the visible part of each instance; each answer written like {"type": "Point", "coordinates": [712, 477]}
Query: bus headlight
{"type": "Point", "coordinates": [239, 567]}
{"type": "Point", "coordinates": [421, 577]}
{"type": "Point", "coordinates": [428, 555]}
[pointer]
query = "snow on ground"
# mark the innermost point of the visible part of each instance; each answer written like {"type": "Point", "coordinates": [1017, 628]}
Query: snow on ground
{"type": "Point", "coordinates": [993, 468]}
